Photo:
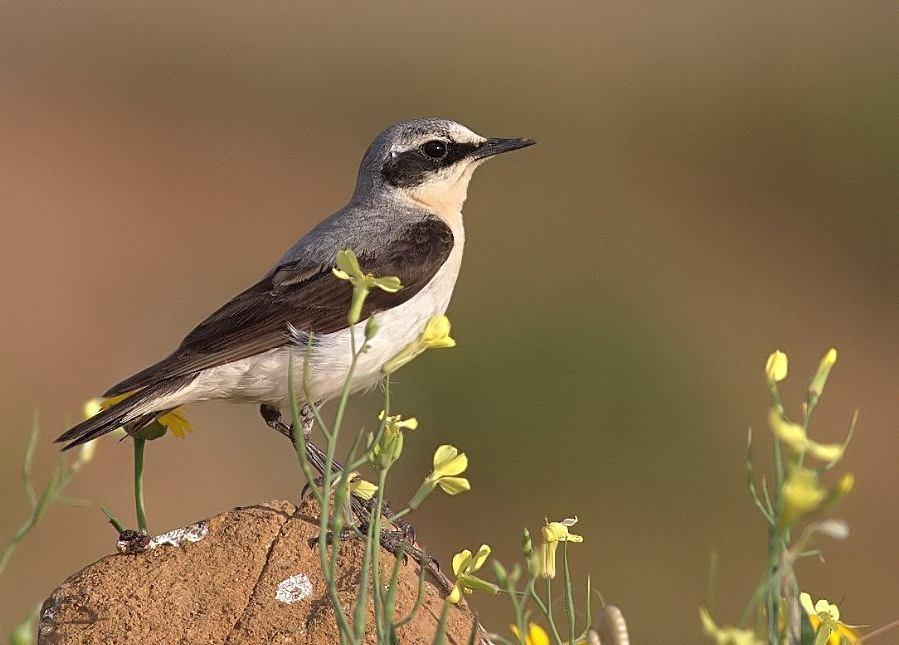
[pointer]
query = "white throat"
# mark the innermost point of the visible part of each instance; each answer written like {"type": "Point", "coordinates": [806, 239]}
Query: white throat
{"type": "Point", "coordinates": [445, 197]}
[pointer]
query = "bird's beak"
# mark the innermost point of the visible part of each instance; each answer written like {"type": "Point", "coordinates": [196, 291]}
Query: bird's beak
{"type": "Point", "coordinates": [492, 147]}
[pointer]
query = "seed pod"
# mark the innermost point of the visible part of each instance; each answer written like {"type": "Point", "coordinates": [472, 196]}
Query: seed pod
{"type": "Point", "coordinates": [612, 626]}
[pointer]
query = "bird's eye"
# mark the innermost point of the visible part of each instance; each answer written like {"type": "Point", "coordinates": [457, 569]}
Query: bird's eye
{"type": "Point", "coordinates": [435, 149]}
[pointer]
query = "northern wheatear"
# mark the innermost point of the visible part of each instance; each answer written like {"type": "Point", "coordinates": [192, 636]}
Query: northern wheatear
{"type": "Point", "coordinates": [404, 219]}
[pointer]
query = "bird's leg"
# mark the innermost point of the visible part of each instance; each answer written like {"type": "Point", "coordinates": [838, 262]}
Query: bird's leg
{"type": "Point", "coordinates": [400, 540]}
{"type": "Point", "coordinates": [314, 454]}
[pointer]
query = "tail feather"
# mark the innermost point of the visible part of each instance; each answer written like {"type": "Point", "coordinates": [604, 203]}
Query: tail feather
{"type": "Point", "coordinates": [132, 413]}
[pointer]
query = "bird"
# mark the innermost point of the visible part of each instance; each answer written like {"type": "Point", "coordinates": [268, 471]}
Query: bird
{"type": "Point", "coordinates": [404, 219]}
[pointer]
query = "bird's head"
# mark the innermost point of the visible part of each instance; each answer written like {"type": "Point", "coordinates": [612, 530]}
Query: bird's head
{"type": "Point", "coordinates": [428, 162]}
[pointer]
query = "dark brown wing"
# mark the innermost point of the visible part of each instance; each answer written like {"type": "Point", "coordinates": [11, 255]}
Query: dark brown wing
{"type": "Point", "coordinates": [306, 296]}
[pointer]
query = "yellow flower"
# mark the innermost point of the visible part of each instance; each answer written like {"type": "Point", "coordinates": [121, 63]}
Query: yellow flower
{"type": "Point", "coordinates": [794, 435]}
{"type": "Point", "coordinates": [553, 533]}
{"type": "Point", "coordinates": [361, 488]}
{"type": "Point", "coordinates": [464, 566]}
{"type": "Point", "coordinates": [802, 494]}
{"type": "Point", "coordinates": [389, 447]}
{"type": "Point", "coordinates": [820, 378]}
{"type": "Point", "coordinates": [435, 335]}
{"type": "Point", "coordinates": [172, 421]}
{"type": "Point", "coordinates": [449, 462]}
{"type": "Point", "coordinates": [175, 422]}
{"type": "Point", "coordinates": [776, 367]}
{"type": "Point", "coordinates": [536, 635]}
{"type": "Point", "coordinates": [727, 635]}
{"type": "Point", "coordinates": [843, 487]}
{"type": "Point", "coordinates": [824, 618]}
{"type": "Point", "coordinates": [395, 423]}
{"type": "Point", "coordinates": [348, 269]}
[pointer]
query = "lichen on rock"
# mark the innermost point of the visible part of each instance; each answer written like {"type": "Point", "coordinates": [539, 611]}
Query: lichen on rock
{"type": "Point", "coordinates": [245, 576]}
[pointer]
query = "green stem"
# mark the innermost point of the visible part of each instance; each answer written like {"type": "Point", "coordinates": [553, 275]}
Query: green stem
{"type": "Point", "coordinates": [116, 524]}
{"type": "Point", "coordinates": [326, 497]}
{"type": "Point", "coordinates": [54, 486]}
{"type": "Point", "coordinates": [361, 612]}
{"type": "Point", "coordinates": [545, 609]}
{"type": "Point", "coordinates": [419, 598]}
{"type": "Point", "coordinates": [139, 484]}
{"type": "Point", "coordinates": [380, 622]}
{"type": "Point", "coordinates": [569, 594]}
{"type": "Point", "coordinates": [440, 635]}
{"type": "Point", "coordinates": [322, 497]}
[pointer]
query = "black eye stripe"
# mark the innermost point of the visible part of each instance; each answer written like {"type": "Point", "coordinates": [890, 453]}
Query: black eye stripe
{"type": "Point", "coordinates": [458, 151]}
{"type": "Point", "coordinates": [412, 166]}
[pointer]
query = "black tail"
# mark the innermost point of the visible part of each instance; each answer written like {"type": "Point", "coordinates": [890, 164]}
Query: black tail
{"type": "Point", "coordinates": [132, 413]}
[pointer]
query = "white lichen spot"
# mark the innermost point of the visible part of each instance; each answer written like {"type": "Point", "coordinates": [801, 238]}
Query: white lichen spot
{"type": "Point", "coordinates": [293, 589]}
{"type": "Point", "coordinates": [48, 618]}
{"type": "Point", "coordinates": [192, 533]}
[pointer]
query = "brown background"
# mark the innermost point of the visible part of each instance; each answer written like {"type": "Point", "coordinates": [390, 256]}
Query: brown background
{"type": "Point", "coordinates": [713, 182]}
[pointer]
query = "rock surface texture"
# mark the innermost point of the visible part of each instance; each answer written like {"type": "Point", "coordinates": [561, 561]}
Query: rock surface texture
{"type": "Point", "coordinates": [246, 576]}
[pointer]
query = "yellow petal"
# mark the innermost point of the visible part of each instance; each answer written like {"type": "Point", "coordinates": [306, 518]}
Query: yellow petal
{"type": "Point", "coordinates": [438, 327]}
{"type": "Point", "coordinates": [536, 635]}
{"type": "Point", "coordinates": [820, 378]}
{"type": "Point", "coordinates": [848, 633]}
{"type": "Point", "coordinates": [481, 557]}
{"type": "Point", "coordinates": [805, 601]}
{"type": "Point", "coordinates": [455, 595]}
{"type": "Point", "coordinates": [776, 367]}
{"type": "Point", "coordinates": [448, 462]}
{"type": "Point", "coordinates": [444, 453]}
{"type": "Point", "coordinates": [825, 451]}
{"type": "Point", "coordinates": [111, 401]}
{"type": "Point", "coordinates": [175, 423]}
{"type": "Point", "coordinates": [361, 488]}
{"type": "Point", "coordinates": [454, 485]}
{"type": "Point", "coordinates": [790, 433]}
{"type": "Point", "coordinates": [441, 343]}
{"type": "Point", "coordinates": [548, 551]}
{"type": "Point", "coordinates": [707, 623]}
{"type": "Point", "coordinates": [801, 493]}
{"type": "Point", "coordinates": [554, 532]}
{"type": "Point", "coordinates": [460, 561]}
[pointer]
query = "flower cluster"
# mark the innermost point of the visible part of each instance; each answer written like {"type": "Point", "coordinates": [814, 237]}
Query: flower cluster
{"type": "Point", "coordinates": [798, 494]}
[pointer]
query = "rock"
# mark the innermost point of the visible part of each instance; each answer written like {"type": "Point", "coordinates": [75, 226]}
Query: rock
{"type": "Point", "coordinates": [246, 576]}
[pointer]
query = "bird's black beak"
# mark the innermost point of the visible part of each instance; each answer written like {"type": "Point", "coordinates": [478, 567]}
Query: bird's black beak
{"type": "Point", "coordinates": [493, 147]}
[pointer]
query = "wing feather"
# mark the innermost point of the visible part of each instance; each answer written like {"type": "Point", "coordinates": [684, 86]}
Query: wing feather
{"type": "Point", "coordinates": [306, 296]}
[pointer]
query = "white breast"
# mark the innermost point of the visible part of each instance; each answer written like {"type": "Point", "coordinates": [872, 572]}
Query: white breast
{"type": "Point", "coordinates": [263, 378]}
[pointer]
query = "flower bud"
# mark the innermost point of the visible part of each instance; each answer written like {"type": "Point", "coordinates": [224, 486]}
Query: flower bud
{"type": "Point", "coordinates": [820, 378]}
{"type": "Point", "coordinates": [527, 546]}
{"type": "Point", "coordinates": [371, 327]}
{"type": "Point", "coordinates": [776, 367]}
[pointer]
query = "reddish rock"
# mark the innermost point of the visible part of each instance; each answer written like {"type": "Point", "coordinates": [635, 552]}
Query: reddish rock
{"type": "Point", "coordinates": [246, 576]}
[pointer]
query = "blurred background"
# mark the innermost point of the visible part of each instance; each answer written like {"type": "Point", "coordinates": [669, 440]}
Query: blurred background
{"type": "Point", "coordinates": [712, 182]}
